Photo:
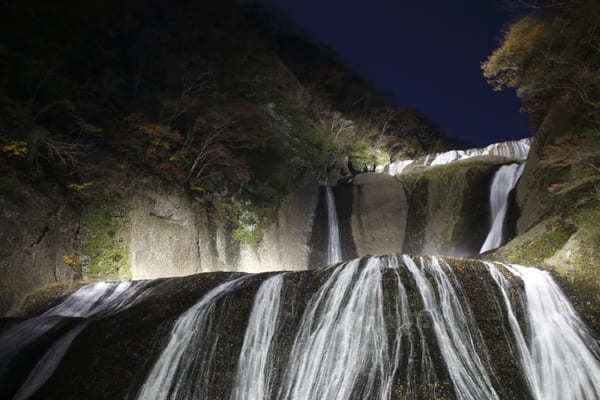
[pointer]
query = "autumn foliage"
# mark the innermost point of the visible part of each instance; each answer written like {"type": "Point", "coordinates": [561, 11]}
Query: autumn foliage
{"type": "Point", "coordinates": [552, 55]}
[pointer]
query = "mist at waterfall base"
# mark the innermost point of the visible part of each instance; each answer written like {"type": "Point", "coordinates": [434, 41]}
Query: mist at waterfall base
{"type": "Point", "coordinates": [374, 328]}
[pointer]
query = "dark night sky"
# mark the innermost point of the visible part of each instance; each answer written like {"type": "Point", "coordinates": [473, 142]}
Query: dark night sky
{"type": "Point", "coordinates": [427, 53]}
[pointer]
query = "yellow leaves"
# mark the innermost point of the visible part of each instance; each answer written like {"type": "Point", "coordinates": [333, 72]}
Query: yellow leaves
{"type": "Point", "coordinates": [505, 66]}
{"type": "Point", "coordinates": [159, 131]}
{"type": "Point", "coordinates": [15, 148]}
{"type": "Point", "coordinates": [73, 260]}
{"type": "Point", "coordinates": [79, 187]}
{"type": "Point", "coordinates": [197, 188]}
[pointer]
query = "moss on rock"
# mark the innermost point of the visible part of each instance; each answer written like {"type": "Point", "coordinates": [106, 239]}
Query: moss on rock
{"type": "Point", "coordinates": [448, 207]}
{"type": "Point", "coordinates": [105, 252]}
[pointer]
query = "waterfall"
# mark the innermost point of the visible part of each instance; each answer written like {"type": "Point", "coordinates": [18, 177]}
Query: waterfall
{"type": "Point", "coordinates": [90, 302]}
{"type": "Point", "coordinates": [334, 250]}
{"type": "Point", "coordinates": [341, 349]}
{"type": "Point", "coordinates": [376, 328]}
{"type": "Point", "coordinates": [184, 367]}
{"type": "Point", "coordinates": [397, 167]}
{"type": "Point", "coordinates": [561, 358]}
{"type": "Point", "coordinates": [513, 149]}
{"type": "Point", "coordinates": [505, 180]}
{"type": "Point", "coordinates": [455, 330]}
{"type": "Point", "coordinates": [254, 377]}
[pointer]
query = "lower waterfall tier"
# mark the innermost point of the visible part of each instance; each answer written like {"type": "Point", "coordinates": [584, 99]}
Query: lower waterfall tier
{"type": "Point", "coordinates": [388, 327]}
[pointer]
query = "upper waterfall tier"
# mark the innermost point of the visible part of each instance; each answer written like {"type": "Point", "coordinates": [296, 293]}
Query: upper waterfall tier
{"type": "Point", "coordinates": [505, 180]}
{"type": "Point", "coordinates": [380, 328]}
{"type": "Point", "coordinates": [514, 150]}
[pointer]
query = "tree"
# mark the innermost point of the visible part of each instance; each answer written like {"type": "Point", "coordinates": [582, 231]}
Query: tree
{"type": "Point", "coordinates": [550, 56]}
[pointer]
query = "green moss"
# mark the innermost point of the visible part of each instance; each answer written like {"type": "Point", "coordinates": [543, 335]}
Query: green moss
{"type": "Point", "coordinates": [103, 245]}
{"type": "Point", "coordinates": [246, 218]}
{"type": "Point", "coordinates": [252, 236]}
{"type": "Point", "coordinates": [537, 251]}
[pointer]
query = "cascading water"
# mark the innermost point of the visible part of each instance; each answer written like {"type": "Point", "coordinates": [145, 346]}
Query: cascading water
{"type": "Point", "coordinates": [334, 250]}
{"type": "Point", "coordinates": [561, 358]}
{"type": "Point", "coordinates": [341, 349]}
{"type": "Point", "coordinates": [90, 302]}
{"type": "Point", "coordinates": [514, 150]}
{"type": "Point", "coordinates": [254, 372]}
{"type": "Point", "coordinates": [455, 330]}
{"type": "Point", "coordinates": [183, 369]}
{"type": "Point", "coordinates": [504, 182]}
{"type": "Point", "coordinates": [381, 328]}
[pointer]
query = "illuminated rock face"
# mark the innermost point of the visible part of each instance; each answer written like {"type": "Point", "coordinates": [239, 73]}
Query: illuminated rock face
{"type": "Point", "coordinates": [389, 327]}
{"type": "Point", "coordinates": [162, 235]}
{"type": "Point", "coordinates": [37, 229]}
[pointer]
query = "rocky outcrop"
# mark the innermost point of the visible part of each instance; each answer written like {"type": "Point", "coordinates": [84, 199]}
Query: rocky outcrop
{"type": "Point", "coordinates": [372, 213]}
{"type": "Point", "coordinates": [162, 232]}
{"type": "Point", "coordinates": [38, 231]}
{"type": "Point", "coordinates": [171, 236]}
{"type": "Point", "coordinates": [379, 214]}
{"type": "Point", "coordinates": [434, 210]}
{"type": "Point", "coordinates": [286, 243]}
{"type": "Point", "coordinates": [448, 208]}
{"type": "Point", "coordinates": [533, 199]}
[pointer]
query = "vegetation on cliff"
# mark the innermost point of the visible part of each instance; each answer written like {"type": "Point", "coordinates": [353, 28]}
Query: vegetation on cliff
{"type": "Point", "coordinates": [227, 99]}
{"type": "Point", "coordinates": [550, 55]}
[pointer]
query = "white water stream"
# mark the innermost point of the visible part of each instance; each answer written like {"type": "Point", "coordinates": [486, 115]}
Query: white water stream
{"type": "Point", "coordinates": [255, 366]}
{"type": "Point", "coordinates": [514, 149]}
{"type": "Point", "coordinates": [90, 302]}
{"type": "Point", "coordinates": [504, 182]}
{"type": "Point", "coordinates": [560, 358]}
{"type": "Point", "coordinates": [184, 367]}
{"type": "Point", "coordinates": [341, 349]}
{"type": "Point", "coordinates": [359, 337]}
{"type": "Point", "coordinates": [454, 328]}
{"type": "Point", "coordinates": [334, 249]}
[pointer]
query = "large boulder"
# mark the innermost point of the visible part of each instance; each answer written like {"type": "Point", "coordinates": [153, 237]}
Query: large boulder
{"type": "Point", "coordinates": [448, 207]}
{"type": "Point", "coordinates": [379, 214]}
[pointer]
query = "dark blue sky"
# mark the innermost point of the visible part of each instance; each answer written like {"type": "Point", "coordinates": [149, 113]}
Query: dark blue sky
{"type": "Point", "coordinates": [427, 53]}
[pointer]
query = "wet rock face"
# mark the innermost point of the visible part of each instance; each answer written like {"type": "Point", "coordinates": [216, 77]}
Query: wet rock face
{"type": "Point", "coordinates": [114, 354]}
{"type": "Point", "coordinates": [38, 230]}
